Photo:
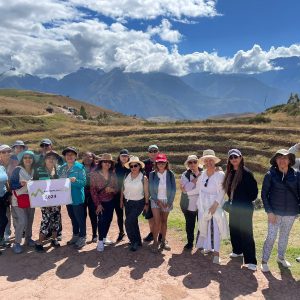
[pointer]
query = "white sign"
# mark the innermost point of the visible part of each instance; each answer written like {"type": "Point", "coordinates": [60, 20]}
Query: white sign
{"type": "Point", "coordinates": [50, 192]}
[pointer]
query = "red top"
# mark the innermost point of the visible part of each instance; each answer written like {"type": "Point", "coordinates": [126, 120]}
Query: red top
{"type": "Point", "coordinates": [98, 185]}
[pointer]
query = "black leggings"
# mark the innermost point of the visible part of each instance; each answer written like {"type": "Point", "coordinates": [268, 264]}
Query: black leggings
{"type": "Point", "coordinates": [90, 206]}
{"type": "Point", "coordinates": [119, 212]}
{"type": "Point", "coordinates": [3, 218]}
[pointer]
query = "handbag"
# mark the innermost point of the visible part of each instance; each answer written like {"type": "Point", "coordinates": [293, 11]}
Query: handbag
{"type": "Point", "coordinates": [23, 200]}
{"type": "Point", "coordinates": [227, 206]}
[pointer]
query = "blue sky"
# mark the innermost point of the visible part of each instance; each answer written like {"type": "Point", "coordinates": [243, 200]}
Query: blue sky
{"type": "Point", "coordinates": [52, 37]}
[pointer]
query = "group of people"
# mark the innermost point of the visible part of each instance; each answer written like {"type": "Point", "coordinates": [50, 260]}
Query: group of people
{"type": "Point", "coordinates": [101, 185]}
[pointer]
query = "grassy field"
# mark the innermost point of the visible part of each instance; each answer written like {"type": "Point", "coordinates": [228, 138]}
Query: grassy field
{"type": "Point", "coordinates": [257, 137]}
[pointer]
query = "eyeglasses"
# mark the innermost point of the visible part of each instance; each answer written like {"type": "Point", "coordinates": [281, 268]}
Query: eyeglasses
{"type": "Point", "coordinates": [194, 162]}
{"type": "Point", "coordinates": [233, 157]}
{"type": "Point", "coordinates": [153, 151]}
{"type": "Point", "coordinates": [27, 157]}
{"type": "Point", "coordinates": [133, 166]}
{"type": "Point", "coordinates": [45, 146]}
{"type": "Point", "coordinates": [206, 182]}
{"type": "Point", "coordinates": [106, 161]}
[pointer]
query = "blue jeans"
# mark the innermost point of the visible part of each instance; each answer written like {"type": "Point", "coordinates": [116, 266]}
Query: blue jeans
{"type": "Point", "coordinates": [105, 218]}
{"type": "Point", "coordinates": [132, 211]}
{"type": "Point", "coordinates": [78, 219]}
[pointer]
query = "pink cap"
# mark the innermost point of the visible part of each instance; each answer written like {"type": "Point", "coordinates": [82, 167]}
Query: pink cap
{"type": "Point", "coordinates": [161, 157]}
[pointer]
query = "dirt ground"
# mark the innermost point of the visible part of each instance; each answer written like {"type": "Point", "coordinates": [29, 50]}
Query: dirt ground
{"type": "Point", "coordinates": [117, 273]}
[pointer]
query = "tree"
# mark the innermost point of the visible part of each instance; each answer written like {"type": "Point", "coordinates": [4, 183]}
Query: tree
{"type": "Point", "coordinates": [83, 112]}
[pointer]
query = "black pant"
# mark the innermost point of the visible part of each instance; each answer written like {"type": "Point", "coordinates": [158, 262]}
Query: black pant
{"type": "Point", "coordinates": [241, 233]}
{"type": "Point", "coordinates": [3, 218]}
{"type": "Point", "coordinates": [119, 213]}
{"type": "Point", "coordinates": [77, 216]}
{"type": "Point", "coordinates": [132, 211]}
{"type": "Point", "coordinates": [105, 218]}
{"type": "Point", "coordinates": [90, 206]}
{"type": "Point", "coordinates": [190, 221]}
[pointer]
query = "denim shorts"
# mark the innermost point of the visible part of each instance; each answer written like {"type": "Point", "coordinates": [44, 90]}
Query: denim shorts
{"type": "Point", "coordinates": [154, 205]}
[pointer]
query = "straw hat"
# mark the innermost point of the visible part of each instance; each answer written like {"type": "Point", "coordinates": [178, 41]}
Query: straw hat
{"type": "Point", "coordinates": [209, 154]}
{"type": "Point", "coordinates": [283, 152]}
{"type": "Point", "coordinates": [192, 158]}
{"type": "Point", "coordinates": [106, 156]}
{"type": "Point", "coordinates": [134, 159]}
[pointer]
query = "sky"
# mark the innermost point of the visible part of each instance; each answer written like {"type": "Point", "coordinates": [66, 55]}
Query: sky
{"type": "Point", "coordinates": [54, 38]}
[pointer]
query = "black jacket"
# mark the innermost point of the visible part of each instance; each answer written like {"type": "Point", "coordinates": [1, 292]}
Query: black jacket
{"type": "Point", "coordinates": [280, 194]}
{"type": "Point", "coordinates": [246, 191]}
{"type": "Point", "coordinates": [121, 172]}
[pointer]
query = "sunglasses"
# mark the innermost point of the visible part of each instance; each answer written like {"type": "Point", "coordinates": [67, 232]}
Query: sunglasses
{"type": "Point", "coordinates": [206, 182]}
{"type": "Point", "coordinates": [153, 151]}
{"type": "Point", "coordinates": [133, 166]}
{"type": "Point", "coordinates": [45, 146]}
{"type": "Point", "coordinates": [106, 161]}
{"type": "Point", "coordinates": [233, 157]}
{"type": "Point", "coordinates": [27, 157]}
{"type": "Point", "coordinates": [193, 162]}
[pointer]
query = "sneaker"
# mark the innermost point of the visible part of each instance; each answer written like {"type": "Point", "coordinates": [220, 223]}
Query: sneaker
{"type": "Point", "coordinates": [73, 240]}
{"type": "Point", "coordinates": [81, 242]}
{"type": "Point", "coordinates": [100, 246]}
{"type": "Point", "coordinates": [107, 241]}
{"type": "Point", "coordinates": [216, 260]}
{"type": "Point", "coordinates": [55, 243]}
{"type": "Point", "coordinates": [264, 268]}
{"type": "Point", "coordinates": [188, 246]}
{"type": "Point", "coordinates": [39, 248]}
{"type": "Point", "coordinates": [17, 248]}
{"type": "Point", "coordinates": [4, 243]}
{"type": "Point", "coordinates": [284, 262]}
{"type": "Point", "coordinates": [165, 246]}
{"type": "Point", "coordinates": [30, 243]}
{"type": "Point", "coordinates": [6, 237]}
{"type": "Point", "coordinates": [94, 239]}
{"type": "Point", "coordinates": [205, 251]}
{"type": "Point", "coordinates": [252, 267]}
{"type": "Point", "coordinates": [233, 255]}
{"type": "Point", "coordinates": [134, 247]}
{"type": "Point", "coordinates": [120, 236]}
{"type": "Point", "coordinates": [59, 238]}
{"type": "Point", "coordinates": [160, 237]}
{"type": "Point", "coordinates": [148, 238]}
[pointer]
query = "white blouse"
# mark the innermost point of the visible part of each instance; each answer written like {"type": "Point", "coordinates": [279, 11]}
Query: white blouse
{"type": "Point", "coordinates": [162, 187]}
{"type": "Point", "coordinates": [134, 187]}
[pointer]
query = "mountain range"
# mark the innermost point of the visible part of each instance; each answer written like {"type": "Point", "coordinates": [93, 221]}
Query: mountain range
{"type": "Point", "coordinates": [148, 95]}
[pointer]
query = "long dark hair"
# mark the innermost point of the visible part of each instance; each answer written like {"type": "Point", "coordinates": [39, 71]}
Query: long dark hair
{"type": "Point", "coordinates": [111, 169]}
{"type": "Point", "coordinates": [229, 183]}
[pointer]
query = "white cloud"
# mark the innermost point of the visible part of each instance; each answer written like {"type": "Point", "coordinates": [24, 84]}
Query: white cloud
{"type": "Point", "coordinates": [165, 32]}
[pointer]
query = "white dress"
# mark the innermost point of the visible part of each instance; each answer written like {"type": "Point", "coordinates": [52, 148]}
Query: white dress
{"type": "Point", "coordinates": [211, 190]}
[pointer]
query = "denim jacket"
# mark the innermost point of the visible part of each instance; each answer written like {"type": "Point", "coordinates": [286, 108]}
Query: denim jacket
{"type": "Point", "coordinates": [171, 186]}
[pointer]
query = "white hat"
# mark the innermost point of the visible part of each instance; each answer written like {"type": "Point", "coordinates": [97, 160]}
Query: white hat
{"type": "Point", "coordinates": [209, 154]}
{"type": "Point", "coordinates": [192, 158]}
{"type": "Point", "coordinates": [134, 159]}
{"type": "Point", "coordinates": [5, 148]}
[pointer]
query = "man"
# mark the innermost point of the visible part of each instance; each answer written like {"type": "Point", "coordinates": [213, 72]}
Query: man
{"type": "Point", "coordinates": [149, 167]}
{"type": "Point", "coordinates": [45, 146]}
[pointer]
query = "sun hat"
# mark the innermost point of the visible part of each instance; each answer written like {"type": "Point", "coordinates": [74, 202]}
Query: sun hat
{"type": "Point", "coordinates": [155, 147]}
{"type": "Point", "coordinates": [106, 156]}
{"type": "Point", "coordinates": [46, 142]}
{"type": "Point", "coordinates": [161, 157]}
{"type": "Point", "coordinates": [26, 152]}
{"type": "Point", "coordinates": [209, 154]}
{"type": "Point", "coordinates": [52, 153]}
{"type": "Point", "coordinates": [124, 152]}
{"type": "Point", "coordinates": [69, 149]}
{"type": "Point", "coordinates": [134, 159]}
{"type": "Point", "coordinates": [192, 157]}
{"type": "Point", "coordinates": [236, 152]}
{"type": "Point", "coordinates": [5, 147]}
{"type": "Point", "coordinates": [19, 143]}
{"type": "Point", "coordinates": [283, 152]}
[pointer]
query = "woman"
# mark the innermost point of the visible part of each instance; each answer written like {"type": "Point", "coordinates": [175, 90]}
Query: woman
{"type": "Point", "coordinates": [121, 172]}
{"type": "Point", "coordinates": [22, 213]}
{"type": "Point", "coordinates": [280, 195]}
{"type": "Point", "coordinates": [189, 197]}
{"type": "Point", "coordinates": [241, 188]}
{"type": "Point", "coordinates": [104, 186]}
{"type": "Point", "coordinates": [212, 220]}
{"type": "Point", "coordinates": [88, 161]}
{"type": "Point", "coordinates": [135, 198]}
{"type": "Point", "coordinates": [75, 171]}
{"type": "Point", "coordinates": [51, 216]}
{"type": "Point", "coordinates": [162, 188]}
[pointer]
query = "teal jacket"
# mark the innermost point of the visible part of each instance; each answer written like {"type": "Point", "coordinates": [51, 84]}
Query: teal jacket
{"type": "Point", "coordinates": [77, 187]}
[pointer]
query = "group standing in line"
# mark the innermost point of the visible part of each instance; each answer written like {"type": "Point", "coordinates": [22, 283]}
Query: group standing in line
{"type": "Point", "coordinates": [99, 188]}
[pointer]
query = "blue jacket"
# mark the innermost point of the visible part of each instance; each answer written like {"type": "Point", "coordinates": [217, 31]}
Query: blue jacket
{"type": "Point", "coordinates": [3, 181]}
{"type": "Point", "coordinates": [279, 193]}
{"type": "Point", "coordinates": [77, 187]}
{"type": "Point", "coordinates": [171, 186]}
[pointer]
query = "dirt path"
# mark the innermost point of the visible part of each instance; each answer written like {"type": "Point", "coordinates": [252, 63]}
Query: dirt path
{"type": "Point", "coordinates": [117, 273]}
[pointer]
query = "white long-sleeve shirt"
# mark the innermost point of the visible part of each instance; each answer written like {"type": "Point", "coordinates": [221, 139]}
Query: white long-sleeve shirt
{"type": "Point", "coordinates": [294, 149]}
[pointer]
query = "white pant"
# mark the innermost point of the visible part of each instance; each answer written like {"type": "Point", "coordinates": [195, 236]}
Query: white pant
{"type": "Point", "coordinates": [206, 242]}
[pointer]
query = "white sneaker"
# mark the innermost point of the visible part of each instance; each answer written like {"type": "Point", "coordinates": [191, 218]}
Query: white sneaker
{"type": "Point", "coordinates": [217, 260]}
{"type": "Point", "coordinates": [284, 262]}
{"type": "Point", "coordinates": [233, 255]}
{"type": "Point", "coordinates": [100, 246]}
{"type": "Point", "coordinates": [107, 241]}
{"type": "Point", "coordinates": [265, 268]}
{"type": "Point", "coordinates": [205, 251]}
{"type": "Point", "coordinates": [252, 267]}
{"type": "Point", "coordinates": [6, 237]}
